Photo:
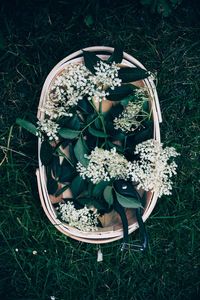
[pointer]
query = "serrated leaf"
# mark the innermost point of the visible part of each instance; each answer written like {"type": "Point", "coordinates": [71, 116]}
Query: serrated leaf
{"type": "Point", "coordinates": [55, 165]}
{"type": "Point", "coordinates": [80, 150]}
{"type": "Point", "coordinates": [85, 106]}
{"type": "Point", "coordinates": [67, 133]}
{"type": "Point", "coordinates": [77, 186]}
{"type": "Point", "coordinates": [52, 186]}
{"type": "Point", "coordinates": [108, 195]}
{"type": "Point", "coordinates": [97, 133]}
{"type": "Point", "coordinates": [128, 74]}
{"type": "Point", "coordinates": [145, 106]}
{"type": "Point", "coordinates": [128, 202]}
{"type": "Point", "coordinates": [27, 125]}
{"type": "Point", "coordinates": [99, 187]}
{"type": "Point", "coordinates": [120, 92]}
{"type": "Point", "coordinates": [72, 154]}
{"type": "Point", "coordinates": [117, 55]}
{"type": "Point", "coordinates": [61, 191]}
{"type": "Point", "coordinates": [98, 123]}
{"type": "Point", "coordinates": [125, 101]}
{"type": "Point", "coordinates": [46, 153]}
{"type": "Point", "coordinates": [89, 21]}
{"type": "Point", "coordinates": [90, 60]}
{"type": "Point", "coordinates": [140, 136]}
{"type": "Point", "coordinates": [74, 123]}
{"type": "Point", "coordinates": [126, 188]}
{"type": "Point", "coordinates": [67, 172]}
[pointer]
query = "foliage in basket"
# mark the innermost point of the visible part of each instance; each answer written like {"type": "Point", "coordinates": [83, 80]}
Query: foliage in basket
{"type": "Point", "coordinates": [97, 141]}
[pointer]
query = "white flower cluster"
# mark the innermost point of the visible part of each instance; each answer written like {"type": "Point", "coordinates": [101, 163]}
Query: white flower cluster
{"type": "Point", "coordinates": [83, 219]}
{"type": "Point", "coordinates": [128, 120]}
{"type": "Point", "coordinates": [48, 127]}
{"type": "Point", "coordinates": [152, 172]}
{"type": "Point", "coordinates": [154, 169]}
{"type": "Point", "coordinates": [106, 75]}
{"type": "Point", "coordinates": [103, 165]}
{"type": "Point", "coordinates": [75, 82]}
{"type": "Point", "coordinates": [68, 88]}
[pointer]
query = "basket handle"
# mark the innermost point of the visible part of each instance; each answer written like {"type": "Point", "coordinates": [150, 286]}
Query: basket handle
{"type": "Point", "coordinates": [143, 233]}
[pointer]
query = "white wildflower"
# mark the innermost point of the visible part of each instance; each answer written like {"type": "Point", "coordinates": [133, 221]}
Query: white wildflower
{"type": "Point", "coordinates": [75, 82]}
{"type": "Point", "coordinates": [34, 252]}
{"type": "Point", "coordinates": [154, 169]}
{"type": "Point", "coordinates": [128, 120]}
{"type": "Point", "coordinates": [103, 166]}
{"type": "Point", "coordinates": [106, 75]}
{"type": "Point", "coordinates": [83, 219]}
{"type": "Point", "coordinates": [48, 127]}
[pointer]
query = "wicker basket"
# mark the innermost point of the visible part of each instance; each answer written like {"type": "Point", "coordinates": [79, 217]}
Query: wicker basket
{"type": "Point", "coordinates": [114, 230]}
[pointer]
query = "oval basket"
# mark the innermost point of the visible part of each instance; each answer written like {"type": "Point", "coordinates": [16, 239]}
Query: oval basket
{"type": "Point", "coordinates": [114, 230]}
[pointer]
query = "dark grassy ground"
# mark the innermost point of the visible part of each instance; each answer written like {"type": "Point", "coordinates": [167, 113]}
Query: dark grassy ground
{"type": "Point", "coordinates": [34, 36]}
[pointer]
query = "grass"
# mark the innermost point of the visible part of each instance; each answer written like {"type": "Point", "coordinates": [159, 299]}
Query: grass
{"type": "Point", "coordinates": [34, 36]}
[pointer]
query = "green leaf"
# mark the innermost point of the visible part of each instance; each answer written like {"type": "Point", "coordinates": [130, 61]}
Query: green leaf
{"type": "Point", "coordinates": [90, 60]}
{"type": "Point", "coordinates": [120, 92]}
{"type": "Point", "coordinates": [108, 195]}
{"type": "Point", "coordinates": [55, 165]}
{"type": "Point", "coordinates": [85, 106]}
{"type": "Point", "coordinates": [99, 187]}
{"type": "Point", "coordinates": [46, 153]}
{"type": "Point", "coordinates": [52, 186]}
{"type": "Point", "coordinates": [60, 191]}
{"type": "Point", "coordinates": [128, 202]}
{"type": "Point", "coordinates": [97, 133]}
{"type": "Point", "coordinates": [89, 21]}
{"type": "Point", "coordinates": [72, 154]}
{"type": "Point", "coordinates": [98, 123]}
{"type": "Point", "coordinates": [117, 55]}
{"type": "Point", "coordinates": [77, 186]}
{"type": "Point", "coordinates": [141, 135]}
{"type": "Point", "coordinates": [27, 125]}
{"type": "Point", "coordinates": [80, 150]}
{"type": "Point", "coordinates": [67, 172]}
{"type": "Point", "coordinates": [126, 188]}
{"type": "Point", "coordinates": [145, 106]}
{"type": "Point", "coordinates": [128, 74]}
{"type": "Point", "coordinates": [74, 123]}
{"type": "Point", "coordinates": [67, 133]}
{"type": "Point", "coordinates": [125, 101]}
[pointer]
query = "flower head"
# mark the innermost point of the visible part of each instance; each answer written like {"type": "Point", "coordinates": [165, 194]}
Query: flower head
{"type": "Point", "coordinates": [83, 219]}
{"type": "Point", "coordinates": [48, 127]}
{"type": "Point", "coordinates": [103, 166]}
{"type": "Point", "coordinates": [154, 169]}
{"type": "Point", "coordinates": [128, 120]}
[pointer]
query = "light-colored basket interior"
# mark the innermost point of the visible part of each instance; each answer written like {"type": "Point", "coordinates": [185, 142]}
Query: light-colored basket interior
{"type": "Point", "coordinates": [114, 231]}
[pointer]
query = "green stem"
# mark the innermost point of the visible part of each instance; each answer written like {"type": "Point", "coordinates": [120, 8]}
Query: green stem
{"type": "Point", "coordinates": [99, 114]}
{"type": "Point", "coordinates": [89, 124]}
{"type": "Point", "coordinates": [65, 156]}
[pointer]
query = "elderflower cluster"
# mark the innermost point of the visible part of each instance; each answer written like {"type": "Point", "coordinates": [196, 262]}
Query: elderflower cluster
{"type": "Point", "coordinates": [103, 166]}
{"type": "Point", "coordinates": [83, 219]}
{"type": "Point", "coordinates": [48, 127]}
{"type": "Point", "coordinates": [154, 169]}
{"type": "Point", "coordinates": [128, 119]}
{"type": "Point", "coordinates": [75, 82]}
{"type": "Point", "coordinates": [106, 75]}
{"type": "Point", "coordinates": [68, 88]}
{"type": "Point", "coordinates": [151, 172]}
